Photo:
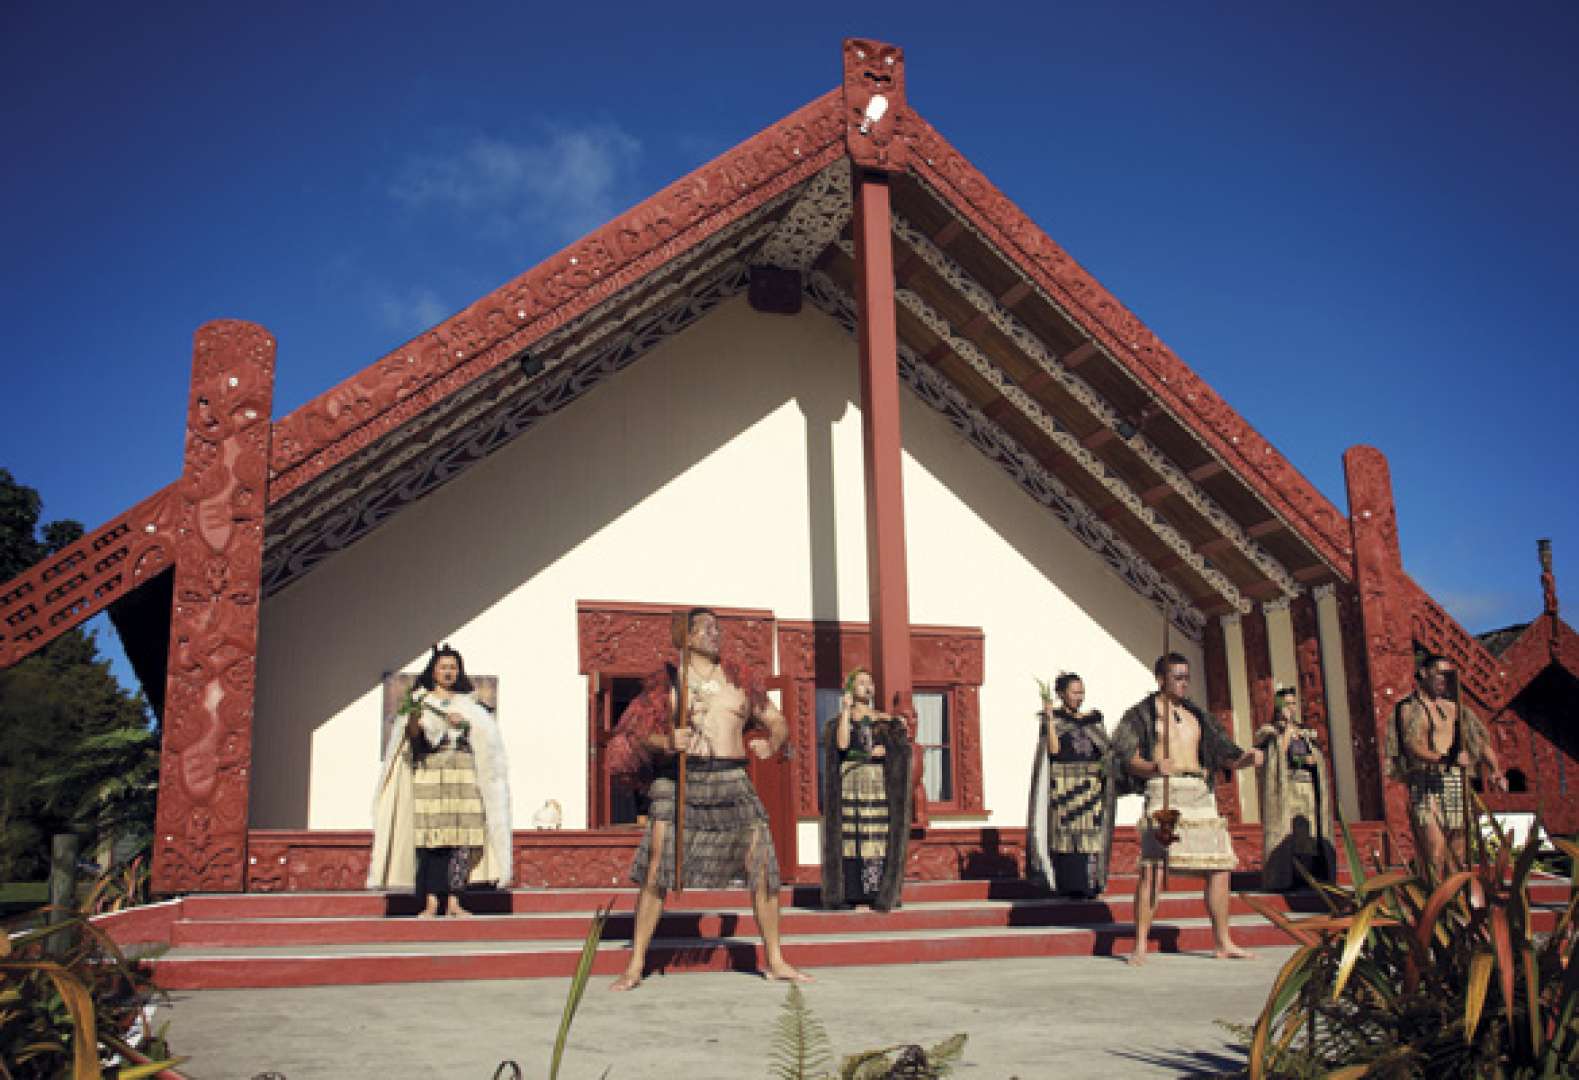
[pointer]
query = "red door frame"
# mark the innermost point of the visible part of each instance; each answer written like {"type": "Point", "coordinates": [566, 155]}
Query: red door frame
{"type": "Point", "coordinates": [627, 639]}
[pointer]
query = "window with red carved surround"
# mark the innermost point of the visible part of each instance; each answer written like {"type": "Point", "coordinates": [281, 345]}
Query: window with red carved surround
{"type": "Point", "coordinates": [947, 665]}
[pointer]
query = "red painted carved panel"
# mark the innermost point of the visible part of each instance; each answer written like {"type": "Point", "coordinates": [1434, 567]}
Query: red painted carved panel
{"type": "Point", "coordinates": [1368, 773]}
{"type": "Point", "coordinates": [1219, 700]}
{"type": "Point", "coordinates": [1384, 598]}
{"type": "Point", "coordinates": [1307, 659]}
{"type": "Point", "coordinates": [217, 512]}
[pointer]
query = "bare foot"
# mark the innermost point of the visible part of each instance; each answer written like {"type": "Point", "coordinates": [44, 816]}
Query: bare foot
{"type": "Point", "coordinates": [428, 913]}
{"type": "Point", "coordinates": [783, 972]}
{"type": "Point", "coordinates": [1233, 952]}
{"type": "Point", "coordinates": [458, 912]}
{"type": "Point", "coordinates": [1136, 958]}
{"type": "Point", "coordinates": [627, 981]}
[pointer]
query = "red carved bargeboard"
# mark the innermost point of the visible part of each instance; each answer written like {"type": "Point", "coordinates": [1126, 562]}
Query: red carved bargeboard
{"type": "Point", "coordinates": [217, 519]}
{"type": "Point", "coordinates": [81, 580]}
{"type": "Point", "coordinates": [501, 325]}
{"type": "Point", "coordinates": [1126, 338]}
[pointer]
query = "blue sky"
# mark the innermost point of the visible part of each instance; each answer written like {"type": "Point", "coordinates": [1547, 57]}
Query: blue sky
{"type": "Point", "coordinates": [1357, 221]}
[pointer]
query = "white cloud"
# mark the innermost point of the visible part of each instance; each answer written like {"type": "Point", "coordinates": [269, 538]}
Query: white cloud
{"type": "Point", "coordinates": [409, 311]}
{"type": "Point", "coordinates": [568, 182]}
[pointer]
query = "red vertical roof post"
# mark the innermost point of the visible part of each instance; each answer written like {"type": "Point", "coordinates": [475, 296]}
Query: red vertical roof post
{"type": "Point", "coordinates": [1384, 611]}
{"type": "Point", "coordinates": [206, 762]}
{"type": "Point", "coordinates": [874, 98]}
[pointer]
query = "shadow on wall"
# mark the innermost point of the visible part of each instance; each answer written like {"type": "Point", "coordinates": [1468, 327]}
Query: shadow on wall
{"type": "Point", "coordinates": [1034, 532]}
{"type": "Point", "coordinates": [437, 565]}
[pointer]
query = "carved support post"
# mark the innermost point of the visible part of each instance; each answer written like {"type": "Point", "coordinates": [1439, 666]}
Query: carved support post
{"type": "Point", "coordinates": [205, 766]}
{"type": "Point", "coordinates": [1307, 657]}
{"type": "Point", "coordinates": [1383, 609]}
{"type": "Point", "coordinates": [874, 99]}
{"type": "Point", "coordinates": [1259, 680]}
{"type": "Point", "coordinates": [1219, 699]}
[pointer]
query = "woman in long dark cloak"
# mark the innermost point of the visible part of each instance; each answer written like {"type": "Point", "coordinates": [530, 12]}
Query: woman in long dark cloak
{"type": "Point", "coordinates": [866, 781]}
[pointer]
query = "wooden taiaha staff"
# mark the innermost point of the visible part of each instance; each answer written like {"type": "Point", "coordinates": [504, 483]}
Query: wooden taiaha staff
{"type": "Point", "coordinates": [680, 635]}
{"type": "Point", "coordinates": [1467, 793]}
{"type": "Point", "coordinates": [1168, 819]}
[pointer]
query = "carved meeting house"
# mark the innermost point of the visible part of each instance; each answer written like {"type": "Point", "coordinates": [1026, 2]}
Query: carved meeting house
{"type": "Point", "coordinates": [920, 437]}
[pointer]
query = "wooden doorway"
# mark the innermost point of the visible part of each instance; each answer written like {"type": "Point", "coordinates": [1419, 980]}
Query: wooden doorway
{"type": "Point", "coordinates": [619, 645]}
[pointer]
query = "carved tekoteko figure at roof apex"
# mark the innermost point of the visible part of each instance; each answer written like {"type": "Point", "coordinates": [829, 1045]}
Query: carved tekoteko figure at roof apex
{"type": "Point", "coordinates": [874, 98]}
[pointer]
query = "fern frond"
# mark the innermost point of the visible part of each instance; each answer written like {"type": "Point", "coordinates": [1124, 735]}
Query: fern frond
{"type": "Point", "coordinates": [801, 1050]}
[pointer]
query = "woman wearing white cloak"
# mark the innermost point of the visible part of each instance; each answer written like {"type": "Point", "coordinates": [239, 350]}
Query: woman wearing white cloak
{"type": "Point", "coordinates": [442, 811]}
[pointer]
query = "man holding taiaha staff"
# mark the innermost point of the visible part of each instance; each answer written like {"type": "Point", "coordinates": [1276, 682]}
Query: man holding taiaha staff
{"type": "Point", "coordinates": [723, 825]}
{"type": "Point", "coordinates": [1170, 750]}
{"type": "Point", "coordinates": [1433, 742]}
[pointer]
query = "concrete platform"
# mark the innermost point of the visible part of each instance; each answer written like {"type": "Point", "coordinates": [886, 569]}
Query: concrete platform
{"type": "Point", "coordinates": [1027, 1019]}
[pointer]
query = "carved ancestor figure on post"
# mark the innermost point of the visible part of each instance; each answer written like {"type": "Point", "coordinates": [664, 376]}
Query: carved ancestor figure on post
{"type": "Point", "coordinates": [1296, 798]}
{"type": "Point", "coordinates": [1433, 743]}
{"type": "Point", "coordinates": [1171, 750]}
{"type": "Point", "coordinates": [689, 728]}
{"type": "Point", "coordinates": [866, 793]}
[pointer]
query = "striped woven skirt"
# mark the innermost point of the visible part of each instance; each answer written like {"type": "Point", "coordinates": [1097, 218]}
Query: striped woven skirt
{"type": "Point", "coordinates": [447, 808]}
{"type": "Point", "coordinates": [1204, 844]}
{"type": "Point", "coordinates": [1436, 796]}
{"type": "Point", "coordinates": [726, 830]}
{"type": "Point", "coordinates": [1074, 807]}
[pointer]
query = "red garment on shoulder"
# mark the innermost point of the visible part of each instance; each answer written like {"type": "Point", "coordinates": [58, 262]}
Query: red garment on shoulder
{"type": "Point", "coordinates": [628, 757]}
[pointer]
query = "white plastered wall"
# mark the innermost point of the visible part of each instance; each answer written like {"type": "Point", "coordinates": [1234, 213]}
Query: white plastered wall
{"type": "Point", "coordinates": [725, 468]}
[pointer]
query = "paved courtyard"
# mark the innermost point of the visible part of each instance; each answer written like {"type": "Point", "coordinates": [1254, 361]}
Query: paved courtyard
{"type": "Point", "coordinates": [1027, 1019]}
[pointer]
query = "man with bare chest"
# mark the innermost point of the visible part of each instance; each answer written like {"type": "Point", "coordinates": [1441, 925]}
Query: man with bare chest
{"type": "Point", "coordinates": [1169, 749]}
{"type": "Point", "coordinates": [1433, 744]}
{"type": "Point", "coordinates": [726, 835]}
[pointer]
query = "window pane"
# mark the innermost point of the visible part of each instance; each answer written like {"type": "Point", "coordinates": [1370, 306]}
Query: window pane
{"type": "Point", "coordinates": [937, 763]}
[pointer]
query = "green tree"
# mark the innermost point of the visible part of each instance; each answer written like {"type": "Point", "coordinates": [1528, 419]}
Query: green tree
{"type": "Point", "coordinates": [77, 750]}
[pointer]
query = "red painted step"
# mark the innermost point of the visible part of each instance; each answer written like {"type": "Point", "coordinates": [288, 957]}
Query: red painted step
{"type": "Point", "coordinates": [342, 966]}
{"type": "Point", "coordinates": [685, 922]}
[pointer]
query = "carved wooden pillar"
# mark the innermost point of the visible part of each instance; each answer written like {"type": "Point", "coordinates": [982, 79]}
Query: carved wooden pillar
{"type": "Point", "coordinates": [1258, 678]}
{"type": "Point", "coordinates": [1307, 657]}
{"type": "Point", "coordinates": [874, 100]}
{"type": "Point", "coordinates": [1219, 699]}
{"type": "Point", "coordinates": [205, 767]}
{"type": "Point", "coordinates": [1258, 666]}
{"type": "Point", "coordinates": [1383, 608]}
{"type": "Point", "coordinates": [1369, 772]}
